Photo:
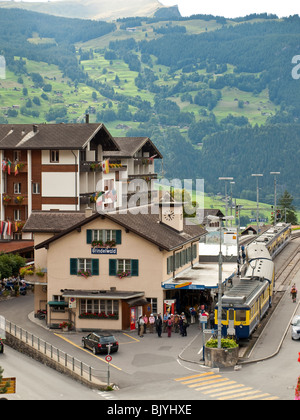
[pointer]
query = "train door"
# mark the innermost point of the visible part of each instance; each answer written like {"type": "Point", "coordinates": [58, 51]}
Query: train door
{"type": "Point", "coordinates": [231, 329]}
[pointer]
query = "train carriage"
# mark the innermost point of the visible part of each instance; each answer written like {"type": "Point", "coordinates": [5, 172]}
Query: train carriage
{"type": "Point", "coordinates": [245, 304]}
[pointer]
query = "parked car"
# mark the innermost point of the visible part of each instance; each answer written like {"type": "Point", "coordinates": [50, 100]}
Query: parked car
{"type": "Point", "coordinates": [1, 346]}
{"type": "Point", "coordinates": [296, 328]}
{"type": "Point", "coordinates": [100, 343]}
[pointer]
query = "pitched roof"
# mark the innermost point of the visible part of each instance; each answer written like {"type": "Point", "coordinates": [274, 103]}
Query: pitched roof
{"type": "Point", "coordinates": [146, 226]}
{"type": "Point", "coordinates": [130, 145]}
{"type": "Point", "coordinates": [52, 222]}
{"type": "Point", "coordinates": [54, 136]}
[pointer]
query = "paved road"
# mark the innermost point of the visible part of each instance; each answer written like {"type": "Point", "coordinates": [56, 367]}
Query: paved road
{"type": "Point", "coordinates": [149, 368]}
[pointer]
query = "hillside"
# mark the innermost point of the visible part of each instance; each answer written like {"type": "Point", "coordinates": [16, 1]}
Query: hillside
{"type": "Point", "coordinates": [217, 96]}
{"type": "Point", "coordinates": [90, 9]}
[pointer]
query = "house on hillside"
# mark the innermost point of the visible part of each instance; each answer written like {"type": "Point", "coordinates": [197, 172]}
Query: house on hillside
{"type": "Point", "coordinates": [60, 167]}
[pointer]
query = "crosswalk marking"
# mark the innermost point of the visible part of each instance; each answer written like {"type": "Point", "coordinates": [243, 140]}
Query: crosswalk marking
{"type": "Point", "coordinates": [222, 388]}
{"type": "Point", "coordinates": [225, 383]}
{"type": "Point", "coordinates": [201, 379]}
{"type": "Point", "coordinates": [194, 376]}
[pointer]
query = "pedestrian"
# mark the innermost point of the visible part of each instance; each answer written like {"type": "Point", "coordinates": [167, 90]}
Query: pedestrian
{"type": "Point", "coordinates": [141, 324]}
{"type": "Point", "coordinates": [165, 322]}
{"type": "Point", "coordinates": [151, 323]}
{"type": "Point", "coordinates": [159, 325]}
{"type": "Point", "coordinates": [183, 324]}
{"type": "Point", "coordinates": [294, 292]}
{"type": "Point", "coordinates": [212, 320]}
{"type": "Point", "coordinates": [193, 314]}
{"type": "Point", "coordinates": [169, 326]}
{"type": "Point", "coordinates": [145, 323]}
{"type": "Point", "coordinates": [176, 323]}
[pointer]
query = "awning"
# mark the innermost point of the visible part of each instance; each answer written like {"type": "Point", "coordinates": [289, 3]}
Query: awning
{"type": "Point", "coordinates": [57, 303]}
{"type": "Point", "coordinates": [137, 302]}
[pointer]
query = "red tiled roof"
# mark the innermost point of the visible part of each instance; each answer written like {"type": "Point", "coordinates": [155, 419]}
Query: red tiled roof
{"type": "Point", "coordinates": [15, 246]}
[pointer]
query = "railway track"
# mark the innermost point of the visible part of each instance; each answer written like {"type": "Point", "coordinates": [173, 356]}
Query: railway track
{"type": "Point", "coordinates": [284, 277]}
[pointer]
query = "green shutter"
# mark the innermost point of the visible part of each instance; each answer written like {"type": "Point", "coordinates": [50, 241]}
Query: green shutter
{"type": "Point", "coordinates": [134, 267]}
{"type": "Point", "coordinates": [168, 265]}
{"type": "Point", "coordinates": [112, 267]}
{"type": "Point", "coordinates": [95, 267]}
{"type": "Point", "coordinates": [73, 266]}
{"type": "Point", "coordinates": [89, 236]}
{"type": "Point", "coordinates": [118, 237]}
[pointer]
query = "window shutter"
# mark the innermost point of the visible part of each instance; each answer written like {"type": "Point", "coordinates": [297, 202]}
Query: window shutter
{"type": "Point", "coordinates": [73, 266]}
{"type": "Point", "coordinates": [134, 267]}
{"type": "Point", "coordinates": [118, 237]}
{"type": "Point", "coordinates": [89, 236]}
{"type": "Point", "coordinates": [95, 267]}
{"type": "Point", "coordinates": [112, 267]}
{"type": "Point", "coordinates": [168, 265]}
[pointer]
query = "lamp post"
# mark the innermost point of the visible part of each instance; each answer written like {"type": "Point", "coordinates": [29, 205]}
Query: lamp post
{"type": "Point", "coordinates": [275, 210]}
{"type": "Point", "coordinates": [257, 199]}
{"type": "Point", "coordinates": [226, 178]}
{"type": "Point", "coordinates": [221, 219]}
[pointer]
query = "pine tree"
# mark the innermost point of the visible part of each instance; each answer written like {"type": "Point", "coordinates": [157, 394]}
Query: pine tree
{"type": "Point", "coordinates": [287, 210]}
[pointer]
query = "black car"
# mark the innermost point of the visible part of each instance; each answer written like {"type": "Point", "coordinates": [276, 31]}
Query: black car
{"type": "Point", "coordinates": [100, 343]}
{"type": "Point", "coordinates": [1, 346]}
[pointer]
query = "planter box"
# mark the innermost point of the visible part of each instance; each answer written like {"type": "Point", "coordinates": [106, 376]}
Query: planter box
{"type": "Point", "coordinates": [221, 358]}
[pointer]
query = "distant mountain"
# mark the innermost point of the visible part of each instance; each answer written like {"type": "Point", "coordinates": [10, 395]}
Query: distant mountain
{"type": "Point", "coordinates": [90, 9]}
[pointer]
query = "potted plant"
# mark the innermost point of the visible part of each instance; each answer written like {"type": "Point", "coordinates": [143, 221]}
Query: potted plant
{"type": "Point", "coordinates": [19, 199]}
{"type": "Point", "coordinates": [6, 198]}
{"type": "Point", "coordinates": [84, 273]}
{"type": "Point", "coordinates": [65, 326]}
{"type": "Point", "coordinates": [122, 274]}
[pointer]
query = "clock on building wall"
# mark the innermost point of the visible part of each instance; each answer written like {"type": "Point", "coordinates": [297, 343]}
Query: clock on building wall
{"type": "Point", "coordinates": [169, 215]}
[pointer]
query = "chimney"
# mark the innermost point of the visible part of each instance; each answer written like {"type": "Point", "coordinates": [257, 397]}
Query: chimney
{"type": "Point", "coordinates": [35, 128]}
{"type": "Point", "coordinates": [88, 212]}
{"type": "Point", "coordinates": [87, 118]}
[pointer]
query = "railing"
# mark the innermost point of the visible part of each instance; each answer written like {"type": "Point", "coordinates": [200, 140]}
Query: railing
{"type": "Point", "coordinates": [66, 361]}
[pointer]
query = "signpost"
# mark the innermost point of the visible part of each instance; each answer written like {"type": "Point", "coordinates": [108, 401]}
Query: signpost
{"type": "Point", "coordinates": [203, 322]}
{"type": "Point", "coordinates": [108, 358]}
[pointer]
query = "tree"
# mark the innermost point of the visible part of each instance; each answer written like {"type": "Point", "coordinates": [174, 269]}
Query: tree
{"type": "Point", "coordinates": [287, 210]}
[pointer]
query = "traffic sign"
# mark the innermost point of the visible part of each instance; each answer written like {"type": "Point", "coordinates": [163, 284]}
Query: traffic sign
{"type": "Point", "coordinates": [108, 358]}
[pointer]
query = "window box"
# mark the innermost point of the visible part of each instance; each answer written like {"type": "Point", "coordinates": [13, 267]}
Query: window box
{"type": "Point", "coordinates": [101, 315]}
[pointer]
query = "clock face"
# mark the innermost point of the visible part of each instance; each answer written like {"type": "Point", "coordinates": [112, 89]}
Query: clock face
{"type": "Point", "coordinates": [169, 215]}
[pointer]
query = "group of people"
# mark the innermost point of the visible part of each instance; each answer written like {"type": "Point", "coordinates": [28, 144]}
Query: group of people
{"type": "Point", "coordinates": [167, 324]}
{"type": "Point", "coordinates": [13, 284]}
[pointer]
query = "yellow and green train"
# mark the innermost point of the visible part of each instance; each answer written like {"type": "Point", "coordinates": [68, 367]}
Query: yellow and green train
{"type": "Point", "coordinates": [246, 303]}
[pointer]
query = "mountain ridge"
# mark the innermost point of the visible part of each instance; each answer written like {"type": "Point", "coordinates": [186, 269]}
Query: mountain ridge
{"type": "Point", "coordinates": [90, 9]}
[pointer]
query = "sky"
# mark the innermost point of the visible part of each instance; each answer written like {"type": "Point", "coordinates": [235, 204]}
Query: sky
{"type": "Point", "coordinates": [235, 8]}
{"type": "Point", "coordinates": [230, 8]}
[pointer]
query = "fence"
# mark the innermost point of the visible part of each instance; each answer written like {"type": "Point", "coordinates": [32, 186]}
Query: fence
{"type": "Point", "coordinates": [60, 360]}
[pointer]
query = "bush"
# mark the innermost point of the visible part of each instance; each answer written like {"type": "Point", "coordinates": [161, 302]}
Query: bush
{"type": "Point", "coordinates": [226, 343]}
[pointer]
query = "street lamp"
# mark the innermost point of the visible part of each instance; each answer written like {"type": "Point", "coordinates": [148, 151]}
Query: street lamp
{"type": "Point", "coordinates": [275, 211]}
{"type": "Point", "coordinates": [226, 178]}
{"type": "Point", "coordinates": [257, 198]}
{"type": "Point", "coordinates": [220, 276]}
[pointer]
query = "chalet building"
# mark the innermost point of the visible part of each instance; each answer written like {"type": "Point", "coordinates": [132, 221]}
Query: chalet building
{"type": "Point", "coordinates": [60, 167]}
{"type": "Point", "coordinates": [101, 271]}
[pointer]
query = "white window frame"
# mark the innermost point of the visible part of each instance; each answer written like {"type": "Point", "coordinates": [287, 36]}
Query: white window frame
{"type": "Point", "coordinates": [36, 188]}
{"type": "Point", "coordinates": [17, 187]}
{"type": "Point", "coordinates": [84, 264]}
{"type": "Point", "coordinates": [54, 156]}
{"type": "Point", "coordinates": [123, 265]}
{"type": "Point", "coordinates": [17, 215]}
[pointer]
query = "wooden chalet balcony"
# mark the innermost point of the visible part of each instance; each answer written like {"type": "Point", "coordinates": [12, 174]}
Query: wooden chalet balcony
{"type": "Point", "coordinates": [145, 177]}
{"type": "Point", "coordinates": [143, 161]}
{"type": "Point", "coordinates": [97, 167]}
{"type": "Point", "coordinates": [15, 199]}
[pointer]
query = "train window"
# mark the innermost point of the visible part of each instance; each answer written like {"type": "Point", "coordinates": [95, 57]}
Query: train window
{"type": "Point", "coordinates": [240, 316]}
{"type": "Point", "coordinates": [224, 315]}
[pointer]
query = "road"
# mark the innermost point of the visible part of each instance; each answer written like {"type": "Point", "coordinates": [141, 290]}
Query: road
{"type": "Point", "coordinates": [149, 368]}
{"type": "Point", "coordinates": [34, 381]}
